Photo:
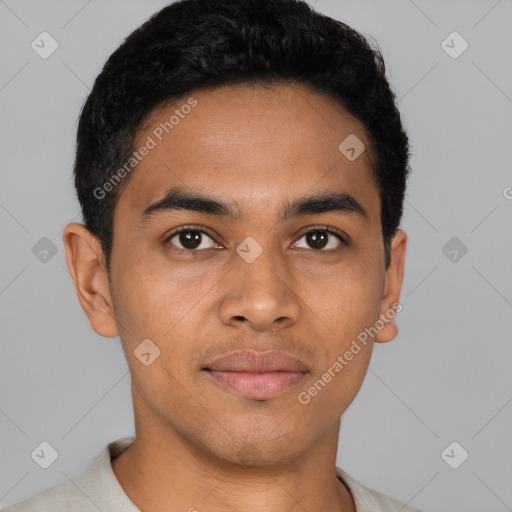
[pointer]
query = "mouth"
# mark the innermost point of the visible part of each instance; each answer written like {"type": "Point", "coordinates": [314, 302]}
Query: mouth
{"type": "Point", "coordinates": [257, 375]}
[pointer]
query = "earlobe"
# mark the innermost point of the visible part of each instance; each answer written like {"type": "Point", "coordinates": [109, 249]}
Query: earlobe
{"type": "Point", "coordinates": [86, 266]}
{"type": "Point", "coordinates": [390, 304]}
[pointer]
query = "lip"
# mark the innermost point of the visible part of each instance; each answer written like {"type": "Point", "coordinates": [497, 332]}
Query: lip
{"type": "Point", "coordinates": [257, 375]}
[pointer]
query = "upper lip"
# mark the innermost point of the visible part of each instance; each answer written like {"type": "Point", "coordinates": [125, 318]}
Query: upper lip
{"type": "Point", "coordinates": [256, 362]}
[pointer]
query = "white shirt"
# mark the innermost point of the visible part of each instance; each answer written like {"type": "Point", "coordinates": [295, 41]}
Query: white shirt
{"type": "Point", "coordinates": [97, 488]}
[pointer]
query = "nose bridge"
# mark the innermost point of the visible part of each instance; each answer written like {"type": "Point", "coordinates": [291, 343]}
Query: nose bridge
{"type": "Point", "coordinates": [261, 289]}
{"type": "Point", "coordinates": [264, 275]}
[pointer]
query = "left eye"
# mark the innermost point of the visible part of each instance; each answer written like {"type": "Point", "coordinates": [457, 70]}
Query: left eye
{"type": "Point", "coordinates": [319, 239]}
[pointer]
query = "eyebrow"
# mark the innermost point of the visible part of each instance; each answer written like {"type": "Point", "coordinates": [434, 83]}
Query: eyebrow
{"type": "Point", "coordinates": [185, 199]}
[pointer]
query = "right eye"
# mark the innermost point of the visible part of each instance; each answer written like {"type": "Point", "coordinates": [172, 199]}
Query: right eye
{"type": "Point", "coordinates": [191, 239]}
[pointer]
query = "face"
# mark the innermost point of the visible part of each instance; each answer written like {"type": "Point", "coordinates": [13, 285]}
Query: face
{"type": "Point", "coordinates": [256, 275]}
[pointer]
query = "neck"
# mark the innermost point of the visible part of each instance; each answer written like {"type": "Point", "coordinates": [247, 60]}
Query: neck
{"type": "Point", "coordinates": [164, 471]}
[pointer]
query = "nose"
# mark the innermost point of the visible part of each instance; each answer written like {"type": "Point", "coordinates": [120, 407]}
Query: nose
{"type": "Point", "coordinates": [260, 294]}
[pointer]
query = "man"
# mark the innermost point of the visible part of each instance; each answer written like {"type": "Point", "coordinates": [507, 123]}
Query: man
{"type": "Point", "coordinates": [241, 168]}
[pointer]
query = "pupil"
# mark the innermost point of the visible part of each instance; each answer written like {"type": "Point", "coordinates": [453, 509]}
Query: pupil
{"type": "Point", "coordinates": [190, 239]}
{"type": "Point", "coordinates": [317, 239]}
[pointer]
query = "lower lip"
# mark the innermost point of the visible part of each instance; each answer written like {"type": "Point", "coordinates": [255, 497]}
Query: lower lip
{"type": "Point", "coordinates": [258, 385]}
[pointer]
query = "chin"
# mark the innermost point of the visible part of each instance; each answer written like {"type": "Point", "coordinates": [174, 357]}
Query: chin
{"type": "Point", "coordinates": [251, 453]}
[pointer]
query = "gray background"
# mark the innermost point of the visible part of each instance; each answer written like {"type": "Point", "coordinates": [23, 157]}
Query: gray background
{"type": "Point", "coordinates": [446, 377]}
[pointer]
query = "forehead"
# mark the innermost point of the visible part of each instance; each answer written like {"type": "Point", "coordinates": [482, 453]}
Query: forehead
{"type": "Point", "coordinates": [253, 146]}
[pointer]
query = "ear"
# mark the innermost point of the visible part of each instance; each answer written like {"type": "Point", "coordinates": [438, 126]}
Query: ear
{"type": "Point", "coordinates": [86, 264]}
{"type": "Point", "coordinates": [393, 285]}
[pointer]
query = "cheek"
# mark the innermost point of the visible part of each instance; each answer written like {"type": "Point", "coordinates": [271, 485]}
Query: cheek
{"type": "Point", "coordinates": [346, 303]}
{"type": "Point", "coordinates": [329, 394]}
{"type": "Point", "coordinates": [151, 294]}
{"type": "Point", "coordinates": [352, 307]}
{"type": "Point", "coordinates": [161, 303]}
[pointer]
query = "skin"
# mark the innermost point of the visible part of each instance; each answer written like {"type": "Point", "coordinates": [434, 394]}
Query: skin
{"type": "Point", "coordinates": [197, 444]}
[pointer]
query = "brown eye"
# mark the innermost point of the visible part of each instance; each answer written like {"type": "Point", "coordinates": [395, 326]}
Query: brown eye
{"type": "Point", "coordinates": [320, 239]}
{"type": "Point", "coordinates": [190, 239]}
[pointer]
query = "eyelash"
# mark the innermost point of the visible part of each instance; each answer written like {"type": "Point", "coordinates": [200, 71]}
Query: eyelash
{"type": "Point", "coordinates": [186, 229]}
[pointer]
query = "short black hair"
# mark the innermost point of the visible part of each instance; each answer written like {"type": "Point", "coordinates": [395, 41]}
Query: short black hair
{"type": "Point", "coordinates": [196, 44]}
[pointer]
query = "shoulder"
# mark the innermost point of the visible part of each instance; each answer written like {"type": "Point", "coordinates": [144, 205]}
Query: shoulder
{"type": "Point", "coordinates": [60, 497]}
{"type": "Point", "coordinates": [95, 488]}
{"type": "Point", "coordinates": [368, 500]}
